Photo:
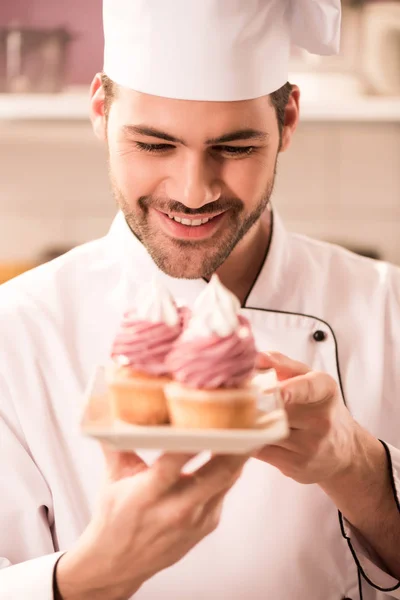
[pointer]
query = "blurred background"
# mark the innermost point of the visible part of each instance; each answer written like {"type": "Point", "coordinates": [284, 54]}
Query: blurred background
{"type": "Point", "coordinates": [339, 182]}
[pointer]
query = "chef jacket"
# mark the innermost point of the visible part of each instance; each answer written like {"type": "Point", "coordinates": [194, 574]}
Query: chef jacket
{"type": "Point", "coordinates": [317, 303]}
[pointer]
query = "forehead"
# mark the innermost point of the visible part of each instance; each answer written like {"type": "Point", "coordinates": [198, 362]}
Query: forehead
{"type": "Point", "coordinates": [205, 119]}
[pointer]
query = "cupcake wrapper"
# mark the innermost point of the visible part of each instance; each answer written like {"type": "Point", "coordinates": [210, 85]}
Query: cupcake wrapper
{"type": "Point", "coordinates": [211, 409]}
{"type": "Point", "coordinates": [139, 400]}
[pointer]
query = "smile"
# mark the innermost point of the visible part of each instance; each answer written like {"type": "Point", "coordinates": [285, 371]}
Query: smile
{"type": "Point", "coordinates": [196, 228]}
{"type": "Point", "coordinates": [190, 222]}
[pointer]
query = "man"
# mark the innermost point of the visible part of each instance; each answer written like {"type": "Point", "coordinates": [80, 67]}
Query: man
{"type": "Point", "coordinates": [195, 109]}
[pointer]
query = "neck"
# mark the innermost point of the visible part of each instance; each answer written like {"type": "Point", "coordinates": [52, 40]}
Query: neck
{"type": "Point", "coordinates": [239, 272]}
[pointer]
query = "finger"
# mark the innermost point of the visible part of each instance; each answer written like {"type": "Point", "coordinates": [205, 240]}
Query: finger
{"type": "Point", "coordinates": [121, 464]}
{"type": "Point", "coordinates": [211, 514]}
{"type": "Point", "coordinates": [166, 472]}
{"type": "Point", "coordinates": [215, 503]}
{"type": "Point", "coordinates": [312, 388]}
{"type": "Point", "coordinates": [302, 443]}
{"type": "Point", "coordinates": [217, 476]}
{"type": "Point", "coordinates": [284, 366]}
{"type": "Point", "coordinates": [201, 514]}
{"type": "Point", "coordinates": [276, 456]}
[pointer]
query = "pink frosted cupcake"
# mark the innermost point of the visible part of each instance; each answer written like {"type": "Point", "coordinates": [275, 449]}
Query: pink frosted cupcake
{"type": "Point", "coordinates": [139, 372]}
{"type": "Point", "coordinates": [212, 364]}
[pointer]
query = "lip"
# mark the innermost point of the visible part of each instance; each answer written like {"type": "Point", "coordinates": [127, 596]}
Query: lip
{"type": "Point", "coordinates": [189, 232]}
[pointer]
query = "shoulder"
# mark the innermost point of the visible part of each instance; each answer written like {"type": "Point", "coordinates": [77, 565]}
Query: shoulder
{"type": "Point", "coordinates": [341, 270]}
{"type": "Point", "coordinates": [74, 268]}
{"type": "Point", "coordinates": [56, 291]}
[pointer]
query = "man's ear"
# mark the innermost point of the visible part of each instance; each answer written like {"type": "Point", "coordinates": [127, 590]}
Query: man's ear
{"type": "Point", "coordinates": [292, 113]}
{"type": "Point", "coordinates": [97, 112]}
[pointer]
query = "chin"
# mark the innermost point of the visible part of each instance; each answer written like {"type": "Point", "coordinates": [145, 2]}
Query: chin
{"type": "Point", "coordinates": [177, 270]}
{"type": "Point", "coordinates": [184, 264]}
{"type": "Point", "coordinates": [188, 260]}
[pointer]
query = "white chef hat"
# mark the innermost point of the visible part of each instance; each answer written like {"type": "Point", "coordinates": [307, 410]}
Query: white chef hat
{"type": "Point", "coordinates": [213, 49]}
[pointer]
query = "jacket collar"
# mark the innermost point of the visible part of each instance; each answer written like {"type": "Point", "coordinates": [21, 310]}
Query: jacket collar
{"type": "Point", "coordinates": [268, 288]}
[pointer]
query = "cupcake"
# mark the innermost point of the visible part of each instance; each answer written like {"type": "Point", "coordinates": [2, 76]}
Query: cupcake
{"type": "Point", "coordinates": [212, 364]}
{"type": "Point", "coordinates": [139, 370]}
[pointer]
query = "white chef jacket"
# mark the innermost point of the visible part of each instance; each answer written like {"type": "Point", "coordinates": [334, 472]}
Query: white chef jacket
{"type": "Point", "coordinates": [277, 539]}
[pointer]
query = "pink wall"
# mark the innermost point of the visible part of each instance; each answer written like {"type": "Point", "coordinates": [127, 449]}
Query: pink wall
{"type": "Point", "coordinates": [82, 17]}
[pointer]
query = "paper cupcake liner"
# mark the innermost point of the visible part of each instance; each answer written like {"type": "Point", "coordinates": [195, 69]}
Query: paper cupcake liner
{"type": "Point", "coordinates": [211, 409]}
{"type": "Point", "coordinates": [138, 398]}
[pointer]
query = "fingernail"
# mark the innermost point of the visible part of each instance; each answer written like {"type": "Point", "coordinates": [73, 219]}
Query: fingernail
{"type": "Point", "coordinates": [285, 396]}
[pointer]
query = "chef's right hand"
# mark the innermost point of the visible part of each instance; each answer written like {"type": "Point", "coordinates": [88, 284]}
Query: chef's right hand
{"type": "Point", "coordinates": [147, 520]}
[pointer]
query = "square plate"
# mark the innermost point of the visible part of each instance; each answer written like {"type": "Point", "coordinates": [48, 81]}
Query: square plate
{"type": "Point", "coordinates": [99, 423]}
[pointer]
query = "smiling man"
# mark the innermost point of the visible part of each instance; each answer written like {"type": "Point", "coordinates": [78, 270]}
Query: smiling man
{"type": "Point", "coordinates": [194, 107]}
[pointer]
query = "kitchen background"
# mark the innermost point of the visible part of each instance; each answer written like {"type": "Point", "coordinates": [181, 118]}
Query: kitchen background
{"type": "Point", "coordinates": [339, 182]}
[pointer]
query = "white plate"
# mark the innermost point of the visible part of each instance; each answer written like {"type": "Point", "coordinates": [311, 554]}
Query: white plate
{"type": "Point", "coordinates": [98, 423]}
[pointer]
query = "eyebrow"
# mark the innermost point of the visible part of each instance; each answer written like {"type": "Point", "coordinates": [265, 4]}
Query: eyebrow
{"type": "Point", "coordinates": [240, 135]}
{"type": "Point", "coordinates": [151, 132]}
{"type": "Point", "coordinates": [234, 136]}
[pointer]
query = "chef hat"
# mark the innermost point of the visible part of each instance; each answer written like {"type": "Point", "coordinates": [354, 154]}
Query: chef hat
{"type": "Point", "coordinates": [213, 49]}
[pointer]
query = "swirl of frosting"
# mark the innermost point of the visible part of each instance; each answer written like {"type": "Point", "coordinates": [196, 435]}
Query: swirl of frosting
{"type": "Point", "coordinates": [215, 312]}
{"type": "Point", "coordinates": [217, 349]}
{"type": "Point", "coordinates": [148, 332]}
{"type": "Point", "coordinates": [154, 304]}
{"type": "Point", "coordinates": [214, 362]}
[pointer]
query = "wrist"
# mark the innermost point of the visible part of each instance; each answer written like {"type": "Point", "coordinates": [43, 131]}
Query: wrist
{"type": "Point", "coordinates": [362, 481]}
{"type": "Point", "coordinates": [79, 577]}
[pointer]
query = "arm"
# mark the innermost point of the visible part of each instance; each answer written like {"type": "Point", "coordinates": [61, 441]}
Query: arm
{"type": "Point", "coordinates": [25, 510]}
{"type": "Point", "coordinates": [366, 495]}
{"type": "Point", "coordinates": [328, 447]}
{"type": "Point", "coordinates": [147, 520]}
{"type": "Point", "coordinates": [116, 552]}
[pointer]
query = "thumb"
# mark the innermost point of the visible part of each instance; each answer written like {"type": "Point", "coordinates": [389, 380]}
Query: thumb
{"type": "Point", "coordinates": [285, 367]}
{"type": "Point", "coordinates": [121, 464]}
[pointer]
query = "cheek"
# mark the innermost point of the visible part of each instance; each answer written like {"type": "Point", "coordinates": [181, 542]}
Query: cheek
{"type": "Point", "coordinates": [248, 179]}
{"type": "Point", "coordinates": [134, 173]}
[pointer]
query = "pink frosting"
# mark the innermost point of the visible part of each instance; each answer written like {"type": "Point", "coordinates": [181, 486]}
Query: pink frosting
{"type": "Point", "coordinates": [214, 362]}
{"type": "Point", "coordinates": [144, 346]}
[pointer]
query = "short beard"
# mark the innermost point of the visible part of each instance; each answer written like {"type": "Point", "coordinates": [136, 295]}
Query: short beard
{"type": "Point", "coordinates": [215, 250]}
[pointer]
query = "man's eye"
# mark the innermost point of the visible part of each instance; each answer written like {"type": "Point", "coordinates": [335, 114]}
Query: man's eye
{"type": "Point", "coordinates": [234, 150]}
{"type": "Point", "coordinates": [153, 148]}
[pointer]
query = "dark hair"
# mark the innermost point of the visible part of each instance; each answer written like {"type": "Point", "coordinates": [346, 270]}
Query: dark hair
{"type": "Point", "coordinates": [109, 90]}
{"type": "Point", "coordinates": [279, 99]}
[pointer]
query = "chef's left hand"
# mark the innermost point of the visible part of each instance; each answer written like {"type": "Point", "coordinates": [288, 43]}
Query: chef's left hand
{"type": "Point", "coordinates": [322, 431]}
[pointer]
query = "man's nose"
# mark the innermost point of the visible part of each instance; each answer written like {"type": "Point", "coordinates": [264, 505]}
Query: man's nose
{"type": "Point", "coordinates": [194, 183]}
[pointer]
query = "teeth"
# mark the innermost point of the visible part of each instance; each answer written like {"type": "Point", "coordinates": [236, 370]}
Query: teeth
{"type": "Point", "coordinates": [190, 222]}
